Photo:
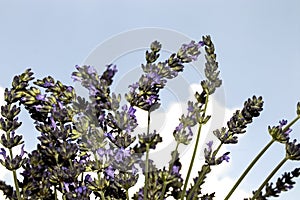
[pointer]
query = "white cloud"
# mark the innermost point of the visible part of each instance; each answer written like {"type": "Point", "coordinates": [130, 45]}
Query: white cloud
{"type": "Point", "coordinates": [217, 181]}
{"type": "Point", "coordinates": [1, 195]}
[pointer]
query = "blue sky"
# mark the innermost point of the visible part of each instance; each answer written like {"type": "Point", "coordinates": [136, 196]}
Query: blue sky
{"type": "Point", "coordinates": [257, 44]}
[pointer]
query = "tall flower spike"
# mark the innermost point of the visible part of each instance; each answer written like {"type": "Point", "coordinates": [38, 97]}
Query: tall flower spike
{"type": "Point", "coordinates": [239, 121]}
{"type": "Point", "coordinates": [145, 93]}
{"type": "Point", "coordinates": [211, 66]}
{"type": "Point", "coordinates": [283, 184]}
{"type": "Point", "coordinates": [183, 132]}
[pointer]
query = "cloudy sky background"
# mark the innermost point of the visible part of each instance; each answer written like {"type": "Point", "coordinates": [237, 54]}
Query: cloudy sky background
{"type": "Point", "coordinates": [257, 45]}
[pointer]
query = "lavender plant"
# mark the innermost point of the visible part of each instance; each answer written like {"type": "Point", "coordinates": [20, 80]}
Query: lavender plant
{"type": "Point", "coordinates": [89, 148]}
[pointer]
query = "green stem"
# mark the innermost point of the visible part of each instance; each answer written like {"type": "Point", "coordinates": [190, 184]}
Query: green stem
{"type": "Point", "coordinates": [269, 177]}
{"type": "Point", "coordinates": [14, 171]}
{"type": "Point", "coordinates": [127, 194]}
{"type": "Point", "coordinates": [55, 193]}
{"type": "Point", "coordinates": [15, 177]}
{"type": "Point", "coordinates": [195, 151]}
{"type": "Point", "coordinates": [249, 168]}
{"type": "Point", "coordinates": [217, 150]}
{"type": "Point", "coordinates": [146, 171]}
{"type": "Point", "coordinates": [102, 195]}
{"type": "Point", "coordinates": [16, 185]}
{"type": "Point", "coordinates": [147, 160]}
{"type": "Point", "coordinates": [257, 158]}
{"type": "Point", "coordinates": [170, 168]}
{"type": "Point", "coordinates": [290, 124]}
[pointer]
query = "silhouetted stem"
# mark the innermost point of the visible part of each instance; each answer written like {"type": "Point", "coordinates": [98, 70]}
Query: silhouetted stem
{"type": "Point", "coordinates": [195, 151]}
{"type": "Point", "coordinates": [147, 160]}
{"type": "Point", "coordinates": [249, 168]}
{"type": "Point", "coordinates": [269, 177]}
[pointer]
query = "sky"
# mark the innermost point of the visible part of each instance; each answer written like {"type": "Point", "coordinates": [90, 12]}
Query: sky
{"type": "Point", "coordinates": [257, 44]}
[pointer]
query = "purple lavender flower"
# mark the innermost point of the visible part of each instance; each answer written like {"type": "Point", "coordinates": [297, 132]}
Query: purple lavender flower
{"type": "Point", "coordinates": [101, 152]}
{"type": "Point", "coordinates": [208, 152]}
{"type": "Point", "coordinates": [225, 157]}
{"type": "Point", "coordinates": [183, 132]}
{"type": "Point", "coordinates": [92, 90]}
{"type": "Point", "coordinates": [131, 112]}
{"type": "Point", "coordinates": [155, 76]}
{"type": "Point", "coordinates": [189, 52]}
{"type": "Point", "coordinates": [53, 123]}
{"type": "Point", "coordinates": [110, 172]}
{"type": "Point", "coordinates": [209, 145]}
{"type": "Point", "coordinates": [3, 153]}
{"type": "Point", "coordinates": [48, 84]}
{"type": "Point", "coordinates": [66, 186]}
{"type": "Point", "coordinates": [210, 158]}
{"type": "Point", "coordinates": [75, 78]}
{"type": "Point", "coordinates": [110, 136]}
{"type": "Point", "coordinates": [122, 154]}
{"type": "Point", "coordinates": [111, 70]}
{"type": "Point", "coordinates": [175, 169]}
{"type": "Point", "coordinates": [123, 122]}
{"type": "Point", "coordinates": [22, 151]}
{"type": "Point", "coordinates": [201, 43]}
{"type": "Point", "coordinates": [133, 87]}
{"type": "Point", "coordinates": [88, 178]}
{"type": "Point", "coordinates": [81, 190]}
{"type": "Point", "coordinates": [91, 70]}
{"type": "Point", "coordinates": [38, 107]}
{"type": "Point", "coordinates": [151, 100]}
{"type": "Point", "coordinates": [277, 132]}
{"type": "Point", "coordinates": [282, 123]}
{"type": "Point", "coordinates": [179, 127]}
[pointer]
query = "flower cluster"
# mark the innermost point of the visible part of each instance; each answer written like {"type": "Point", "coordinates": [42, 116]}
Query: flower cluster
{"type": "Point", "coordinates": [283, 184]}
{"type": "Point", "coordinates": [90, 147]}
{"type": "Point", "coordinates": [145, 93]}
{"type": "Point", "coordinates": [238, 122]}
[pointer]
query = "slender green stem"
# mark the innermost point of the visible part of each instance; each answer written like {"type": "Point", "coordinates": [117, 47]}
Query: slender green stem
{"type": "Point", "coordinates": [146, 171]}
{"type": "Point", "coordinates": [170, 168]}
{"type": "Point", "coordinates": [163, 189]}
{"type": "Point", "coordinates": [257, 158]}
{"type": "Point", "coordinates": [290, 124]}
{"type": "Point", "coordinates": [127, 194]}
{"type": "Point", "coordinates": [55, 193]}
{"type": "Point", "coordinates": [195, 151]}
{"type": "Point", "coordinates": [102, 195]}
{"type": "Point", "coordinates": [147, 160]}
{"type": "Point", "coordinates": [15, 177]}
{"type": "Point", "coordinates": [269, 177]}
{"type": "Point", "coordinates": [249, 168]}
{"type": "Point", "coordinates": [217, 150]}
{"type": "Point", "coordinates": [14, 171]}
{"type": "Point", "coordinates": [16, 185]}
